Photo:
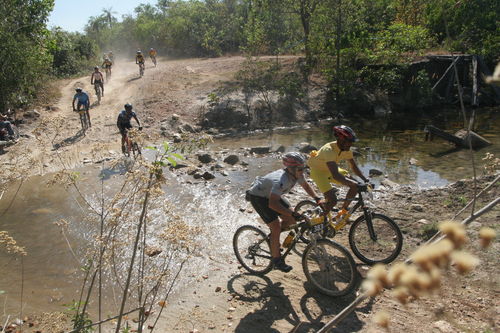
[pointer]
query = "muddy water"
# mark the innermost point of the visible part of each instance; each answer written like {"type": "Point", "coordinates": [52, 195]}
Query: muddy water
{"type": "Point", "coordinates": [51, 272]}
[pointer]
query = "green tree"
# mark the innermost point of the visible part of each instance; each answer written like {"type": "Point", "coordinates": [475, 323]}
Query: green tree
{"type": "Point", "coordinates": [24, 59]}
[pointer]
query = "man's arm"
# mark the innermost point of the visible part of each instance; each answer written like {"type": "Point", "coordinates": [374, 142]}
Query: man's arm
{"type": "Point", "coordinates": [92, 78]}
{"type": "Point", "coordinates": [310, 191]}
{"type": "Point", "coordinates": [355, 169]}
{"type": "Point", "coordinates": [334, 170]}
{"type": "Point", "coordinates": [274, 204]}
{"type": "Point", "coordinates": [137, 120]}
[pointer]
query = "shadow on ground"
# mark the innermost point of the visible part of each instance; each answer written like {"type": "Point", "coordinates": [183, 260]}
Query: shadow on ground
{"type": "Point", "coordinates": [275, 305]}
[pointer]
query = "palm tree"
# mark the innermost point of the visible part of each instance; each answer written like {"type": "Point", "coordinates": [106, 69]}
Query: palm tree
{"type": "Point", "coordinates": [108, 14]}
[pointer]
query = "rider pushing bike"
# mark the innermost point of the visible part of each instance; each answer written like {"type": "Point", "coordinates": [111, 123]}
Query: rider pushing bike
{"type": "Point", "coordinates": [123, 123]}
{"type": "Point", "coordinates": [325, 170]}
{"type": "Point", "coordinates": [266, 193]}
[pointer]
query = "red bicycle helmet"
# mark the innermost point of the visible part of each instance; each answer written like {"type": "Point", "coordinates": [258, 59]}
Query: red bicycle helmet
{"type": "Point", "coordinates": [293, 159]}
{"type": "Point", "coordinates": [345, 132]}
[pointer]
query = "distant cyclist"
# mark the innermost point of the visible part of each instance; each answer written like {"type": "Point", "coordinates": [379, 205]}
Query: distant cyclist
{"type": "Point", "coordinates": [111, 57]}
{"type": "Point", "coordinates": [123, 123]}
{"type": "Point", "coordinates": [6, 130]}
{"type": "Point", "coordinates": [97, 79]}
{"type": "Point", "coordinates": [152, 55]}
{"type": "Point", "coordinates": [139, 58]}
{"type": "Point", "coordinates": [82, 99]}
{"type": "Point", "coordinates": [107, 64]}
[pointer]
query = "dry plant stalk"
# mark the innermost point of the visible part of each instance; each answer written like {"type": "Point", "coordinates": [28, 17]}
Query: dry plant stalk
{"type": "Point", "coordinates": [423, 276]}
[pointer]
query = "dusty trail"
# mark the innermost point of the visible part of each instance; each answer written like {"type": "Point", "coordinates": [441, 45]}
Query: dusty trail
{"type": "Point", "coordinates": [174, 86]}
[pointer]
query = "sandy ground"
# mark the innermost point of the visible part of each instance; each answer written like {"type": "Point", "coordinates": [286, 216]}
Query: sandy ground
{"type": "Point", "coordinates": [228, 299]}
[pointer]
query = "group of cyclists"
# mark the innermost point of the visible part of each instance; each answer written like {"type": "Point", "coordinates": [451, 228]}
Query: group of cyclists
{"type": "Point", "coordinates": [81, 99]}
{"type": "Point", "coordinates": [266, 193]}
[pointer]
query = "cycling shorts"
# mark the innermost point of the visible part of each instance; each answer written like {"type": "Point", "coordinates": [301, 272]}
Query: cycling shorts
{"type": "Point", "coordinates": [124, 127]}
{"type": "Point", "coordinates": [261, 206]}
{"type": "Point", "coordinates": [324, 179]}
{"type": "Point", "coordinates": [79, 104]}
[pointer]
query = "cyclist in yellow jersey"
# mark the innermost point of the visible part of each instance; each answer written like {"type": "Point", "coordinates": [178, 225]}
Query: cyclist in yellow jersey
{"type": "Point", "coordinates": [325, 170]}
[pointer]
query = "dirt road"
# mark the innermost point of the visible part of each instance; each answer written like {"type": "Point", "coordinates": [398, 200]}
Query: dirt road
{"type": "Point", "coordinates": [173, 87]}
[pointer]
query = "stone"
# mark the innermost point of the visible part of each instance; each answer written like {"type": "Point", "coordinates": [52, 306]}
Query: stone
{"type": "Point", "coordinates": [208, 175]}
{"type": "Point", "coordinates": [389, 183]}
{"type": "Point", "coordinates": [444, 327]}
{"type": "Point", "coordinates": [413, 161]}
{"type": "Point", "coordinates": [375, 172]}
{"type": "Point", "coordinates": [205, 158]}
{"type": "Point", "coordinates": [32, 114]}
{"type": "Point", "coordinates": [260, 150]}
{"type": "Point", "coordinates": [306, 148]}
{"type": "Point", "coordinates": [417, 207]}
{"type": "Point", "coordinates": [232, 159]}
{"type": "Point", "coordinates": [280, 149]}
{"type": "Point", "coordinates": [423, 221]}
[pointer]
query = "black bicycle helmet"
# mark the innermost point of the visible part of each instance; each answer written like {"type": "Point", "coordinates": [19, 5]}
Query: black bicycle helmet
{"type": "Point", "coordinates": [345, 132]}
{"type": "Point", "coordinates": [128, 107]}
{"type": "Point", "coordinates": [78, 89]}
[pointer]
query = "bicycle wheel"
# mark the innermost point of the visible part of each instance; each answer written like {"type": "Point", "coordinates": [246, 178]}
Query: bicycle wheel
{"type": "Point", "coordinates": [83, 121]}
{"type": "Point", "coordinates": [381, 247]}
{"type": "Point", "coordinates": [307, 208]}
{"type": "Point", "coordinates": [329, 267]}
{"type": "Point", "coordinates": [252, 249]}
{"type": "Point", "coordinates": [98, 93]}
{"type": "Point", "coordinates": [136, 151]}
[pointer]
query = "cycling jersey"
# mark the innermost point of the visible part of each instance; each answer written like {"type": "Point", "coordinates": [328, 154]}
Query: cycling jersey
{"type": "Point", "coordinates": [152, 53]}
{"type": "Point", "coordinates": [124, 118]}
{"type": "Point", "coordinates": [139, 58]}
{"type": "Point", "coordinates": [320, 173]}
{"type": "Point", "coordinates": [82, 98]}
{"type": "Point", "coordinates": [277, 182]}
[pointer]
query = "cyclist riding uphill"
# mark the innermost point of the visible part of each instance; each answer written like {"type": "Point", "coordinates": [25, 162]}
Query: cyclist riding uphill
{"type": "Point", "coordinates": [82, 98]}
{"type": "Point", "coordinates": [152, 52]}
{"type": "Point", "coordinates": [97, 78]}
{"type": "Point", "coordinates": [107, 64]}
{"type": "Point", "coordinates": [325, 170]}
{"type": "Point", "coordinates": [266, 193]}
{"type": "Point", "coordinates": [139, 58]}
{"type": "Point", "coordinates": [123, 121]}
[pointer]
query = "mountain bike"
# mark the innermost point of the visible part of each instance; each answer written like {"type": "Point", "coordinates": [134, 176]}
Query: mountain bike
{"type": "Point", "coordinates": [141, 69]}
{"type": "Point", "coordinates": [153, 59]}
{"type": "Point", "coordinates": [84, 118]}
{"type": "Point", "coordinates": [131, 145]}
{"type": "Point", "coordinates": [373, 238]}
{"type": "Point", "coordinates": [328, 266]}
{"type": "Point", "coordinates": [98, 92]}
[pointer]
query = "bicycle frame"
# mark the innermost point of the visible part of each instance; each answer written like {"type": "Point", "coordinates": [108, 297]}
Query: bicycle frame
{"type": "Point", "coordinates": [366, 212]}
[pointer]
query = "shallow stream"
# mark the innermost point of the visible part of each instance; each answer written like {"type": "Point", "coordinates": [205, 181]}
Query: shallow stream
{"type": "Point", "coordinates": [50, 275]}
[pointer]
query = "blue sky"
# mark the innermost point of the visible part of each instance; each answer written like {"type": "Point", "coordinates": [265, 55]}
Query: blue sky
{"type": "Point", "coordinates": [73, 15]}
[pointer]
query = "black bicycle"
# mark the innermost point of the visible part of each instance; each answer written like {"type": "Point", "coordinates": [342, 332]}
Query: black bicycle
{"type": "Point", "coordinates": [373, 238]}
{"type": "Point", "coordinates": [327, 265]}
